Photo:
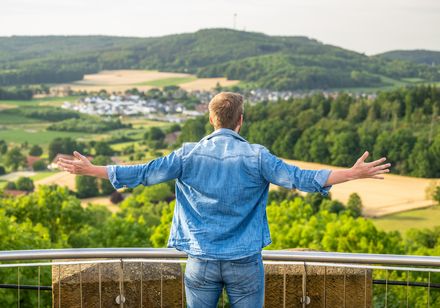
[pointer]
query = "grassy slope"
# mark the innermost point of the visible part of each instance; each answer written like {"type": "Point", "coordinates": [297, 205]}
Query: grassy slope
{"type": "Point", "coordinates": [419, 219]}
{"type": "Point", "coordinates": [173, 81]}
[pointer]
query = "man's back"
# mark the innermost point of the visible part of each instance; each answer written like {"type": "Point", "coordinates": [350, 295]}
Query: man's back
{"type": "Point", "coordinates": [221, 198]}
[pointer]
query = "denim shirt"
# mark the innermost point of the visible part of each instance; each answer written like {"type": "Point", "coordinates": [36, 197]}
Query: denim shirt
{"type": "Point", "coordinates": [222, 185]}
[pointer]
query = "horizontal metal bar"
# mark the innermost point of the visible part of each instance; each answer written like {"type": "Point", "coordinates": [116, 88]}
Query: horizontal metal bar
{"type": "Point", "coordinates": [25, 287]}
{"type": "Point", "coordinates": [270, 255]}
{"type": "Point", "coordinates": [376, 281]}
{"type": "Point", "coordinates": [180, 261]}
{"type": "Point", "coordinates": [405, 283]}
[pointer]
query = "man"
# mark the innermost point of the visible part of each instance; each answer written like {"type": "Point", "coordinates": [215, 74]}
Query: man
{"type": "Point", "coordinates": [221, 194]}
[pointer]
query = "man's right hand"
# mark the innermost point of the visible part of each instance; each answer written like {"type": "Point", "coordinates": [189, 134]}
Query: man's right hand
{"type": "Point", "coordinates": [81, 165]}
{"type": "Point", "coordinates": [360, 170]}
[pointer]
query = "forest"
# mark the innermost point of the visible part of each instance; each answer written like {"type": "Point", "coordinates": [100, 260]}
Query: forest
{"type": "Point", "coordinates": [273, 62]}
{"type": "Point", "coordinates": [402, 125]}
{"type": "Point", "coordinates": [53, 217]}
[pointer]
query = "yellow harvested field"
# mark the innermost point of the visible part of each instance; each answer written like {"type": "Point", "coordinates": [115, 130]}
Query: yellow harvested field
{"type": "Point", "coordinates": [380, 197]}
{"type": "Point", "coordinates": [6, 106]}
{"type": "Point", "coordinates": [105, 201]}
{"type": "Point", "coordinates": [62, 178]}
{"type": "Point", "coordinates": [122, 77]}
{"type": "Point", "coordinates": [122, 80]}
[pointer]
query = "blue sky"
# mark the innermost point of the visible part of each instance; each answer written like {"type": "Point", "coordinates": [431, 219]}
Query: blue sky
{"type": "Point", "coordinates": [369, 26]}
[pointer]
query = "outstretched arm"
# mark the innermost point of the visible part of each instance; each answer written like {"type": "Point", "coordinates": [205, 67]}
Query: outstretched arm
{"type": "Point", "coordinates": [159, 170]}
{"type": "Point", "coordinates": [360, 170]}
{"type": "Point", "coordinates": [82, 166]}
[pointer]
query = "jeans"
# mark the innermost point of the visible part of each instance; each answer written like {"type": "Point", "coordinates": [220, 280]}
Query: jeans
{"type": "Point", "coordinates": [242, 278]}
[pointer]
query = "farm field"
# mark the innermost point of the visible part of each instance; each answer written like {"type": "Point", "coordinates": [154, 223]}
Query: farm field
{"type": "Point", "coordinates": [62, 178]}
{"type": "Point", "coordinates": [37, 136]}
{"type": "Point", "coordinates": [121, 80]}
{"type": "Point", "coordinates": [380, 197]}
{"type": "Point", "coordinates": [402, 222]}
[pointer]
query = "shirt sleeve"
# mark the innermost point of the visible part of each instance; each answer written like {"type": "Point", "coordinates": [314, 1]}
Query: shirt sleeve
{"type": "Point", "coordinates": [156, 171]}
{"type": "Point", "coordinates": [276, 171]}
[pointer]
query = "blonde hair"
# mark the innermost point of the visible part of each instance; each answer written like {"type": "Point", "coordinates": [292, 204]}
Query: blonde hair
{"type": "Point", "coordinates": [226, 109]}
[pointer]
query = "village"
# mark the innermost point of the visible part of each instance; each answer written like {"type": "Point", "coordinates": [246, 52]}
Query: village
{"type": "Point", "coordinates": [174, 108]}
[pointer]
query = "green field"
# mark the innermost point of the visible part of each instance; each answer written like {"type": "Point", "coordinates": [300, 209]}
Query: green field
{"type": "Point", "coordinates": [13, 116]}
{"type": "Point", "coordinates": [392, 84]}
{"type": "Point", "coordinates": [173, 81]}
{"type": "Point", "coordinates": [402, 222]}
{"type": "Point", "coordinates": [40, 137]}
{"type": "Point", "coordinates": [42, 175]}
{"type": "Point", "coordinates": [51, 101]}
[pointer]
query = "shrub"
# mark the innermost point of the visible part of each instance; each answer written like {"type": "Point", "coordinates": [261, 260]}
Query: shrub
{"type": "Point", "coordinates": [39, 165]}
{"type": "Point", "coordinates": [36, 150]}
{"type": "Point", "coordinates": [116, 197]}
{"type": "Point", "coordinates": [24, 183]}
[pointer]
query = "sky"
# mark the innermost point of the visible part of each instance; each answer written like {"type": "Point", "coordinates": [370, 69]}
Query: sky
{"type": "Point", "coordinates": [367, 26]}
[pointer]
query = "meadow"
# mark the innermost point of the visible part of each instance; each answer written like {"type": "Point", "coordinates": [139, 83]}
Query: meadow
{"type": "Point", "coordinates": [426, 218]}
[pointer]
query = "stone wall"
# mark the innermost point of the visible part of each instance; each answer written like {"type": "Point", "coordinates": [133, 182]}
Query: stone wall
{"type": "Point", "coordinates": [113, 280]}
{"type": "Point", "coordinates": [325, 286]}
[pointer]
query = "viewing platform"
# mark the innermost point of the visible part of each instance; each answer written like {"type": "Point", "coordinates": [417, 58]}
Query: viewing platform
{"type": "Point", "coordinates": [149, 277]}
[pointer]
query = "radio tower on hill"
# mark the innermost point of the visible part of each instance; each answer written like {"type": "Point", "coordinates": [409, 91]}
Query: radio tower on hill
{"type": "Point", "coordinates": [234, 24]}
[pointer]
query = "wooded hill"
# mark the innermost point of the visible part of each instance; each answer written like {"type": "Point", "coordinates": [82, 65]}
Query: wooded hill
{"type": "Point", "coordinates": [417, 56]}
{"type": "Point", "coordinates": [259, 60]}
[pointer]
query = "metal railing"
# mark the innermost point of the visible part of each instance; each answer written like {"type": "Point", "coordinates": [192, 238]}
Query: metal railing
{"type": "Point", "coordinates": [380, 274]}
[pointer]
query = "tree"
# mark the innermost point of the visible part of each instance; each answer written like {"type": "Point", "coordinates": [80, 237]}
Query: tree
{"type": "Point", "coordinates": [36, 150]}
{"type": "Point", "coordinates": [86, 186]}
{"type": "Point", "coordinates": [64, 146]}
{"type": "Point", "coordinates": [39, 165]}
{"type": "Point", "coordinates": [103, 148]}
{"type": "Point", "coordinates": [14, 159]}
{"type": "Point", "coordinates": [11, 186]}
{"type": "Point", "coordinates": [3, 147]}
{"type": "Point", "coordinates": [354, 205]}
{"type": "Point", "coordinates": [116, 197]}
{"type": "Point", "coordinates": [155, 137]}
{"type": "Point", "coordinates": [105, 187]}
{"type": "Point", "coordinates": [161, 232]}
{"type": "Point", "coordinates": [25, 183]}
{"type": "Point", "coordinates": [436, 195]}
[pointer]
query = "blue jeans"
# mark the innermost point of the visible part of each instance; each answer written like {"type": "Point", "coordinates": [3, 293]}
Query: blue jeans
{"type": "Point", "coordinates": [242, 278]}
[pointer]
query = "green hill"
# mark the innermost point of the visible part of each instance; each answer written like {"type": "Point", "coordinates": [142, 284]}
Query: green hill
{"type": "Point", "coordinates": [274, 62]}
{"type": "Point", "coordinates": [428, 57]}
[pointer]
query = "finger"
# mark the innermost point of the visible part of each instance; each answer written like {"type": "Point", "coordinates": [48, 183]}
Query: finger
{"type": "Point", "coordinates": [67, 168]}
{"type": "Point", "coordinates": [363, 157]}
{"type": "Point", "coordinates": [381, 167]}
{"type": "Point", "coordinates": [382, 171]}
{"type": "Point", "coordinates": [79, 156]}
{"type": "Point", "coordinates": [377, 162]}
{"type": "Point", "coordinates": [377, 177]}
{"type": "Point", "coordinates": [71, 162]}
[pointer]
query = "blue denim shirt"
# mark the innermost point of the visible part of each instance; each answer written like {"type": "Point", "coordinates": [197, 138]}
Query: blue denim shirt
{"type": "Point", "coordinates": [221, 192]}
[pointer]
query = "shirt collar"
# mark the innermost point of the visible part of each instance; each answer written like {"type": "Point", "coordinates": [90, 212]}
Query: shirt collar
{"type": "Point", "coordinates": [224, 131]}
